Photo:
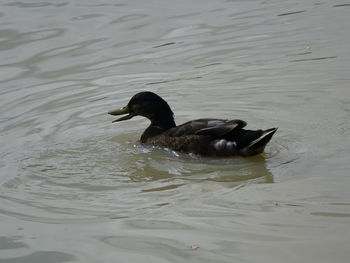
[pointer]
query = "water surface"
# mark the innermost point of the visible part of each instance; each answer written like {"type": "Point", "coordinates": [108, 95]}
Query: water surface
{"type": "Point", "coordinates": [76, 188]}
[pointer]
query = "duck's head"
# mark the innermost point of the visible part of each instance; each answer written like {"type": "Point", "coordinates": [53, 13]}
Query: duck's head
{"type": "Point", "coordinates": [149, 105]}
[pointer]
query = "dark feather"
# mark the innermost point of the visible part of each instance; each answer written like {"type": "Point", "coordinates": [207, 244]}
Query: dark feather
{"type": "Point", "coordinates": [208, 127]}
{"type": "Point", "coordinates": [202, 136]}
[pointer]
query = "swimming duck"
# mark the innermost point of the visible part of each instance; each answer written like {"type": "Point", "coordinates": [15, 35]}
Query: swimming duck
{"type": "Point", "coordinates": [210, 137]}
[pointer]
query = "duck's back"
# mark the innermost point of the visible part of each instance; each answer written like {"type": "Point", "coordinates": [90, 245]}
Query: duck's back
{"type": "Point", "coordinates": [213, 137]}
{"type": "Point", "coordinates": [211, 127]}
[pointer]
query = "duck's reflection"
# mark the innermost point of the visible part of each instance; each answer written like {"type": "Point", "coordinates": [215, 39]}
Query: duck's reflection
{"type": "Point", "coordinates": [175, 169]}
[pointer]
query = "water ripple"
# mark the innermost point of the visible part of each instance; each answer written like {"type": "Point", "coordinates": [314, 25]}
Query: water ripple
{"type": "Point", "coordinates": [67, 171]}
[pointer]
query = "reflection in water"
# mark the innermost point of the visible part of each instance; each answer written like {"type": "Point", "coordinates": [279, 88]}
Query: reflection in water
{"type": "Point", "coordinates": [89, 174]}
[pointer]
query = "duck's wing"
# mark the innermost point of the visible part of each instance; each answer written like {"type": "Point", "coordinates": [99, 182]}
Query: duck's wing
{"type": "Point", "coordinates": [208, 127]}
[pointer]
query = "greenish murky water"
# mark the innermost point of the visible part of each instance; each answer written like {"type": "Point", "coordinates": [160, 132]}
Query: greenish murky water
{"type": "Point", "coordinates": [76, 188]}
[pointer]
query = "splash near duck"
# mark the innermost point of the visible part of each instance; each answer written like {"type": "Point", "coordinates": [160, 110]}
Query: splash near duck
{"type": "Point", "coordinates": [208, 137]}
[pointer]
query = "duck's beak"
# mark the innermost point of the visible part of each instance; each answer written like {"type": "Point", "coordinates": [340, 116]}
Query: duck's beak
{"type": "Point", "coordinates": [124, 110]}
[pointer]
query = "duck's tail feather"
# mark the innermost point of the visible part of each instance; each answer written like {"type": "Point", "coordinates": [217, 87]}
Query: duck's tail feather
{"type": "Point", "coordinates": [258, 145]}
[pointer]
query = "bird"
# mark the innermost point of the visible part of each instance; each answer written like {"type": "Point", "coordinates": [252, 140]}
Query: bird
{"type": "Point", "coordinates": [204, 137]}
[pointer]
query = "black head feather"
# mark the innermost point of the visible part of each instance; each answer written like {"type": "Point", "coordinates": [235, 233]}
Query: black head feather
{"type": "Point", "coordinates": [153, 107]}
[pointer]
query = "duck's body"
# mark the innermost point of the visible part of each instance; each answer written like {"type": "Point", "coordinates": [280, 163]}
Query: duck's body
{"type": "Point", "coordinates": [211, 137]}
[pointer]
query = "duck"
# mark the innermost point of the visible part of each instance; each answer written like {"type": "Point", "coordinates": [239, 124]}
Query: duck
{"type": "Point", "coordinates": [204, 137]}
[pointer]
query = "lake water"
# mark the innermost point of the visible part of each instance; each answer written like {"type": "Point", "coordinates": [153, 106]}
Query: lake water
{"type": "Point", "coordinates": [75, 187]}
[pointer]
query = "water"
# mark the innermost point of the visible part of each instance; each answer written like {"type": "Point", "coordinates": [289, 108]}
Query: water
{"type": "Point", "coordinates": [76, 188]}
